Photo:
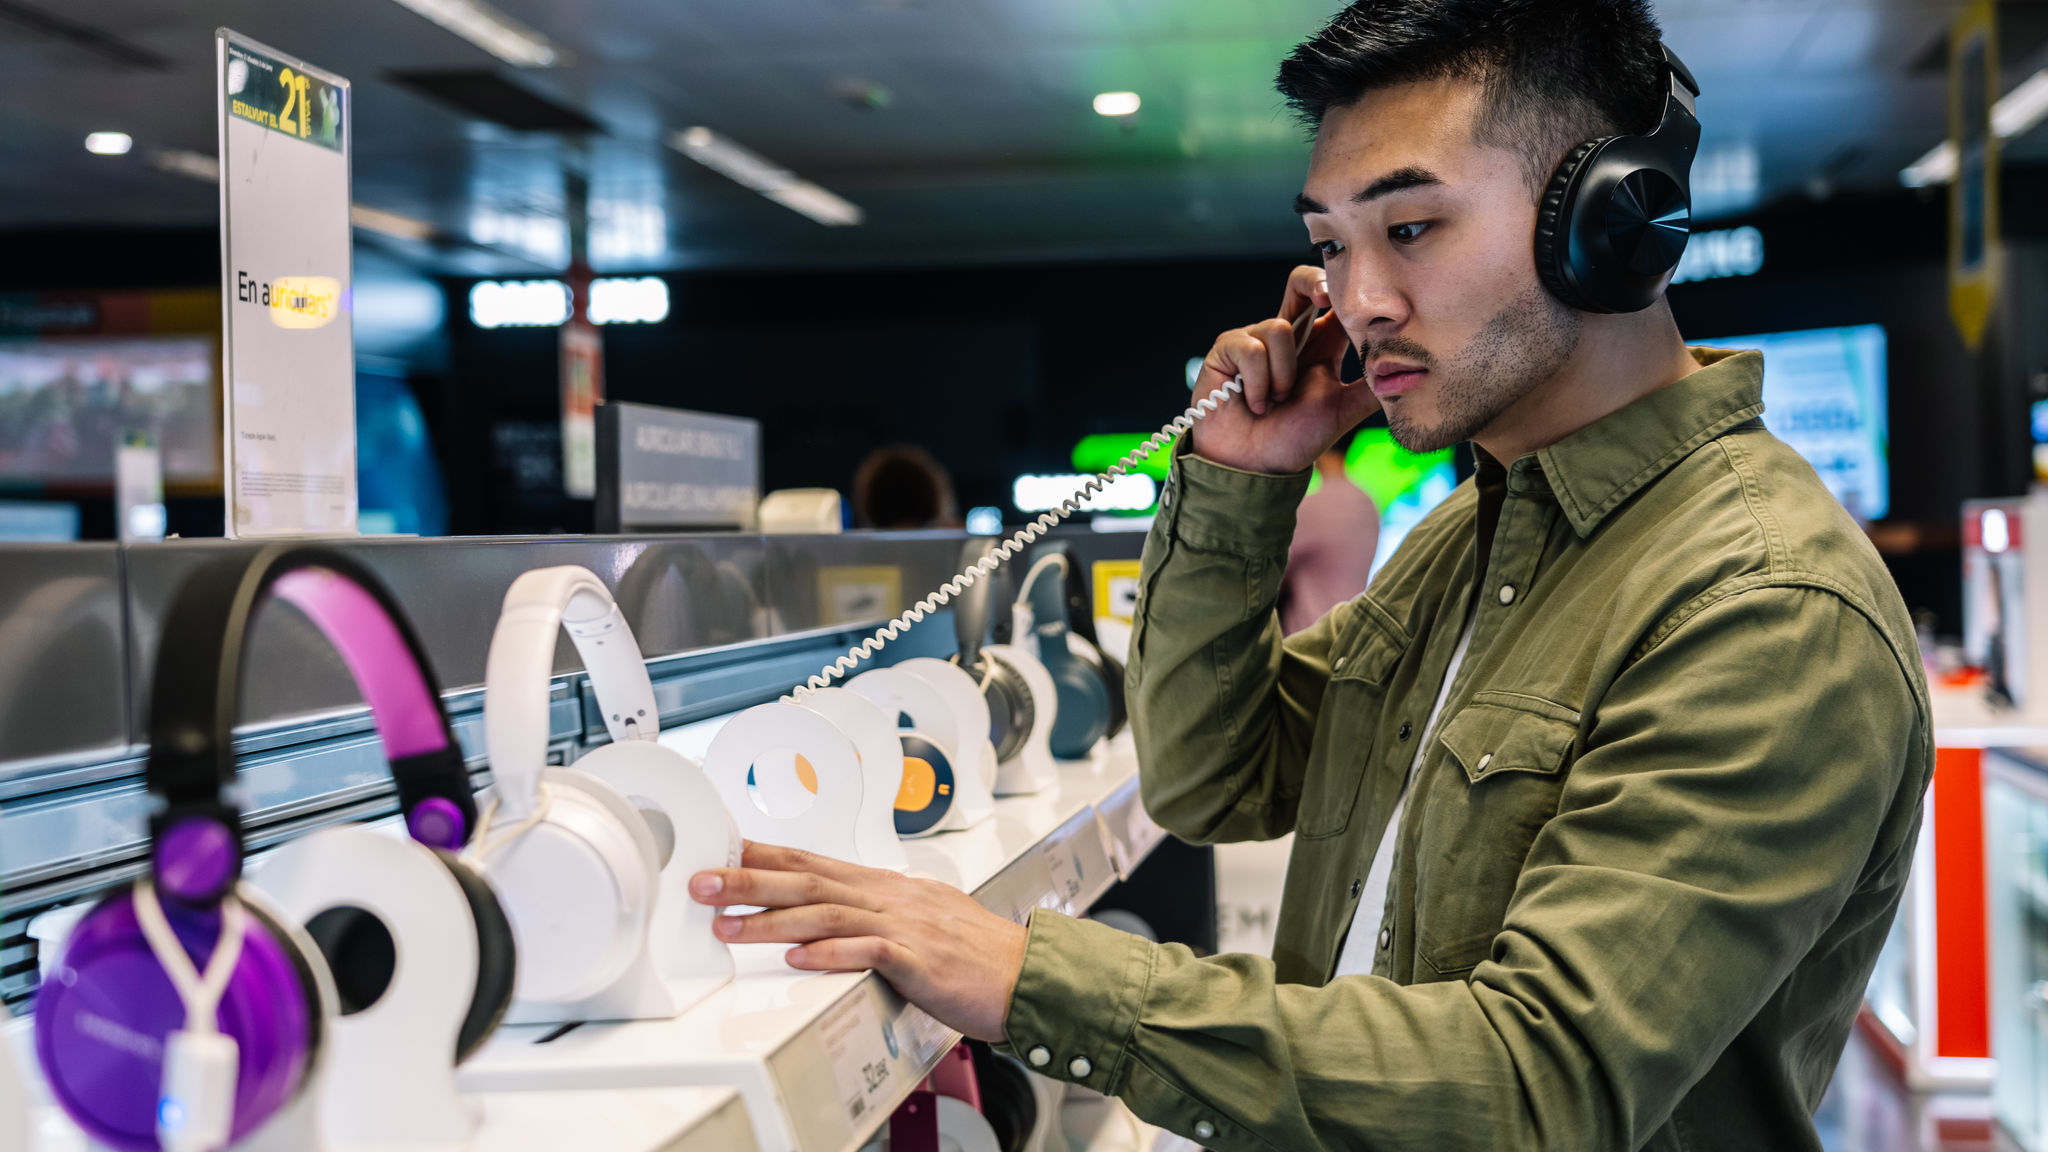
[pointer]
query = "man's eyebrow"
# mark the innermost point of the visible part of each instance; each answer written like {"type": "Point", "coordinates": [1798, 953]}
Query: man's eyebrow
{"type": "Point", "coordinates": [1399, 180]}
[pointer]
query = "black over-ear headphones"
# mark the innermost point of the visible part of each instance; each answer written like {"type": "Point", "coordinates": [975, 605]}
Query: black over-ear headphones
{"type": "Point", "coordinates": [1011, 711]}
{"type": "Point", "coordinates": [1615, 218]}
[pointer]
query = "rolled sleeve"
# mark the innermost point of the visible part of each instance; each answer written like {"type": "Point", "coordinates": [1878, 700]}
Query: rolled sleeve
{"type": "Point", "coordinates": [1225, 509]}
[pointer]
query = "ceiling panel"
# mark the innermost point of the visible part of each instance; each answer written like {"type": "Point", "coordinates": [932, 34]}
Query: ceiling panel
{"type": "Point", "coordinates": [984, 146]}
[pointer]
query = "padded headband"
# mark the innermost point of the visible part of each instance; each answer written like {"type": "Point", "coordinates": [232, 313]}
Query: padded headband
{"type": "Point", "coordinates": [196, 691]}
{"type": "Point", "coordinates": [537, 606]}
{"type": "Point", "coordinates": [972, 607]}
{"type": "Point", "coordinates": [1045, 589]}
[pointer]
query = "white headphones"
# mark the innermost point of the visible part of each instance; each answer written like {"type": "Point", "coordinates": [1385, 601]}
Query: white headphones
{"type": "Point", "coordinates": [575, 864]}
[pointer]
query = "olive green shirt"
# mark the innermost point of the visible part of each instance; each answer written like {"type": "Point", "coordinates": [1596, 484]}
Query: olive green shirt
{"type": "Point", "coordinates": [1646, 862]}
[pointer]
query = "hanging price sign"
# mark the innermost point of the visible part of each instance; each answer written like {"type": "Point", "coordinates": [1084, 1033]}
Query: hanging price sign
{"type": "Point", "coordinates": [286, 263]}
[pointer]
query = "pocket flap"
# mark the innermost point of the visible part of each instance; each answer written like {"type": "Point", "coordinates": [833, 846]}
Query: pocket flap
{"type": "Point", "coordinates": [1489, 739]}
{"type": "Point", "coordinates": [1372, 654]}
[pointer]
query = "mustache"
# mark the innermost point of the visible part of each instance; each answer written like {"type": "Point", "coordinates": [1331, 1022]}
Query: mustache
{"type": "Point", "coordinates": [1396, 346]}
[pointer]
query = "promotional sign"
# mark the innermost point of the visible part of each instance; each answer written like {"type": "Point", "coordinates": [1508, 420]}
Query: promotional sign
{"type": "Point", "coordinates": [1973, 197]}
{"type": "Point", "coordinates": [664, 468]}
{"type": "Point", "coordinates": [582, 391]}
{"type": "Point", "coordinates": [289, 349]}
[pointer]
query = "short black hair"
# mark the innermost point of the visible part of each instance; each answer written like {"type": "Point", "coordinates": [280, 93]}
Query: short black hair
{"type": "Point", "coordinates": [1557, 72]}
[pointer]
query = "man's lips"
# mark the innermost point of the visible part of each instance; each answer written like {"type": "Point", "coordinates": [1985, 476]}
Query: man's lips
{"type": "Point", "coordinates": [1394, 379]}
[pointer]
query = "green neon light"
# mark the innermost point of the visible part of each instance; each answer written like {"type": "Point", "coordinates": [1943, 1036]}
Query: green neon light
{"type": "Point", "coordinates": [1386, 471]}
{"type": "Point", "coordinates": [1097, 451]}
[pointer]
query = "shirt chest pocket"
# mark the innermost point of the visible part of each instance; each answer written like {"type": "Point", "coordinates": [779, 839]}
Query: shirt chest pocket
{"type": "Point", "coordinates": [1504, 759]}
{"type": "Point", "coordinates": [1346, 729]}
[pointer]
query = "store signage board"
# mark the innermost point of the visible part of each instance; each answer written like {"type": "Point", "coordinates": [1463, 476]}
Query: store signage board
{"type": "Point", "coordinates": [288, 347]}
{"type": "Point", "coordinates": [1973, 196]}
{"type": "Point", "coordinates": [660, 469]}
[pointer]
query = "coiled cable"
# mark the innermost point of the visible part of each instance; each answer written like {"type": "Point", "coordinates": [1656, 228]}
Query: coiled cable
{"type": "Point", "coordinates": [1023, 539]}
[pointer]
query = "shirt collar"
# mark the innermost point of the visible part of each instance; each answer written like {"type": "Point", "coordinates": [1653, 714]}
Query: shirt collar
{"type": "Point", "coordinates": [1594, 470]}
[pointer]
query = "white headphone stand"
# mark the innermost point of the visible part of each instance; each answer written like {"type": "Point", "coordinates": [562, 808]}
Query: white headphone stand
{"type": "Point", "coordinates": [387, 1076]}
{"type": "Point", "coordinates": [1032, 769]}
{"type": "Point", "coordinates": [683, 958]}
{"type": "Point", "coordinates": [760, 740]}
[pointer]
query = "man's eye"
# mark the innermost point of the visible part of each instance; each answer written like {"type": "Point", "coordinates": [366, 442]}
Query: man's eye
{"type": "Point", "coordinates": [1328, 248]}
{"type": "Point", "coordinates": [1406, 233]}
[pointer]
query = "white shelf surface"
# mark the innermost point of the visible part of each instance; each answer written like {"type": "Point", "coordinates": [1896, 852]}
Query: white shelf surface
{"type": "Point", "coordinates": [821, 1060]}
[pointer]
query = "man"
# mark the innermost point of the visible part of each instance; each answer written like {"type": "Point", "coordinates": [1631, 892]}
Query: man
{"type": "Point", "coordinates": [1336, 535]}
{"type": "Point", "coordinates": [1645, 699]}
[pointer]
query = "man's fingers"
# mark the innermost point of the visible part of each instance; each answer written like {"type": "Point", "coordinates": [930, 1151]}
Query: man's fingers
{"type": "Point", "coordinates": [854, 954]}
{"type": "Point", "coordinates": [1307, 286]}
{"type": "Point", "coordinates": [1278, 338]}
{"type": "Point", "coordinates": [798, 925]}
{"type": "Point", "coordinates": [723, 887]}
{"type": "Point", "coordinates": [777, 858]}
{"type": "Point", "coordinates": [1242, 355]}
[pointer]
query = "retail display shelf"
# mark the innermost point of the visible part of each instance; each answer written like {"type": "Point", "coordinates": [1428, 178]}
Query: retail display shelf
{"type": "Point", "coordinates": [821, 1060]}
{"type": "Point", "coordinates": [682, 1119]}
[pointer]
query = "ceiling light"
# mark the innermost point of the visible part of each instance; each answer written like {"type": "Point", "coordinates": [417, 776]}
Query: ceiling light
{"type": "Point", "coordinates": [752, 170]}
{"type": "Point", "coordinates": [2014, 114]}
{"type": "Point", "coordinates": [187, 163]}
{"type": "Point", "coordinates": [1127, 493]}
{"type": "Point", "coordinates": [519, 304]}
{"type": "Point", "coordinates": [1117, 103]}
{"type": "Point", "coordinates": [109, 143]}
{"type": "Point", "coordinates": [490, 30]}
{"type": "Point", "coordinates": [389, 223]}
{"type": "Point", "coordinates": [624, 301]}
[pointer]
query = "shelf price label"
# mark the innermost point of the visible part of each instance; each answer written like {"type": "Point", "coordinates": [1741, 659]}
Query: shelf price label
{"type": "Point", "coordinates": [288, 347]}
{"type": "Point", "coordinates": [862, 1050]}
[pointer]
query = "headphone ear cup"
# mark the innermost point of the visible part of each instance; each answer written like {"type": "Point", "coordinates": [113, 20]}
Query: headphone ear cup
{"type": "Point", "coordinates": [497, 956]}
{"type": "Point", "coordinates": [1113, 679]}
{"type": "Point", "coordinates": [1010, 709]}
{"type": "Point", "coordinates": [927, 793]}
{"type": "Point", "coordinates": [1084, 708]}
{"type": "Point", "coordinates": [1554, 226]}
{"type": "Point", "coordinates": [109, 983]}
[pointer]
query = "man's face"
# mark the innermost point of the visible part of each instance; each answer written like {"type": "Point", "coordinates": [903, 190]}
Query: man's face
{"type": "Point", "coordinates": [1428, 238]}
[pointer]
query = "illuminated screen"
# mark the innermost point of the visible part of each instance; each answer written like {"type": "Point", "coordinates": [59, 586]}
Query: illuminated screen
{"type": "Point", "coordinates": [1824, 394]}
{"type": "Point", "coordinates": [65, 404]}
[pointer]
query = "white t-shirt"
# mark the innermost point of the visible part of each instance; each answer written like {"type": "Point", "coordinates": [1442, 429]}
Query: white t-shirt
{"type": "Point", "coordinates": [1361, 941]}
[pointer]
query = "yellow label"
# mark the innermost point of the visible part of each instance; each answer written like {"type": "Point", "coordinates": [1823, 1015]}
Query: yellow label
{"type": "Point", "coordinates": [1116, 589]}
{"type": "Point", "coordinates": [304, 301]}
{"type": "Point", "coordinates": [920, 784]}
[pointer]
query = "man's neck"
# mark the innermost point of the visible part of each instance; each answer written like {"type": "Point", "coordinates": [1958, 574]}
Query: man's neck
{"type": "Point", "coordinates": [1619, 360]}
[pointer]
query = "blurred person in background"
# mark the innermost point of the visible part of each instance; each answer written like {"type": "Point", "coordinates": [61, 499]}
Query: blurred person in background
{"type": "Point", "coordinates": [903, 486]}
{"type": "Point", "coordinates": [1336, 535]}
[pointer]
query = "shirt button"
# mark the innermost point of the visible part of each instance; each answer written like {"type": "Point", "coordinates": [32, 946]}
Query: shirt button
{"type": "Point", "coordinates": [1485, 760]}
{"type": "Point", "coordinates": [1507, 594]}
{"type": "Point", "coordinates": [1079, 1067]}
{"type": "Point", "coordinates": [1204, 1130]}
{"type": "Point", "coordinates": [1386, 937]}
{"type": "Point", "coordinates": [1406, 730]}
{"type": "Point", "coordinates": [1166, 497]}
{"type": "Point", "coordinates": [1356, 888]}
{"type": "Point", "coordinates": [1338, 666]}
{"type": "Point", "coordinates": [1039, 1056]}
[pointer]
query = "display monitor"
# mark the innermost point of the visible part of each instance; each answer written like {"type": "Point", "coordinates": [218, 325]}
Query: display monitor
{"type": "Point", "coordinates": [1824, 394]}
{"type": "Point", "coordinates": [67, 403]}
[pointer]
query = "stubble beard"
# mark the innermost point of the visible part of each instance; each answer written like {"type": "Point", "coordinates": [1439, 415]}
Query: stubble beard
{"type": "Point", "coordinates": [1514, 352]}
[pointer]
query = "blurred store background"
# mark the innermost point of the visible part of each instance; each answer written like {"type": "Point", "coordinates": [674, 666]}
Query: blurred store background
{"type": "Point", "coordinates": [998, 229]}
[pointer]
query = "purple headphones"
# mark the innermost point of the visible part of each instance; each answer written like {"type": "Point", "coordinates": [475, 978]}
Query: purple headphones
{"type": "Point", "coordinates": [104, 1018]}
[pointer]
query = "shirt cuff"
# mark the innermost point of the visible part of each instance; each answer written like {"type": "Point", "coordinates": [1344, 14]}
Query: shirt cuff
{"type": "Point", "coordinates": [1077, 1000]}
{"type": "Point", "coordinates": [1224, 509]}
